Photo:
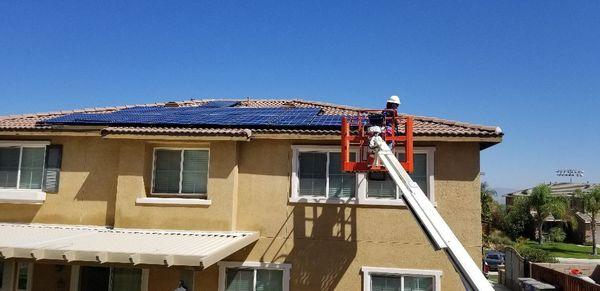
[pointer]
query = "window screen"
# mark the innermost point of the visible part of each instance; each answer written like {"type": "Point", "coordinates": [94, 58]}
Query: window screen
{"type": "Point", "coordinates": [167, 167]}
{"type": "Point", "coordinates": [239, 279]}
{"type": "Point", "coordinates": [180, 171]}
{"type": "Point", "coordinates": [419, 175]}
{"type": "Point", "coordinates": [21, 167]}
{"type": "Point", "coordinates": [418, 283]}
{"type": "Point", "coordinates": [195, 172]}
{"type": "Point", "coordinates": [341, 184]}
{"type": "Point", "coordinates": [394, 283]}
{"type": "Point", "coordinates": [312, 174]}
{"type": "Point", "coordinates": [387, 188]}
{"type": "Point", "coordinates": [32, 166]}
{"type": "Point", "coordinates": [269, 280]}
{"type": "Point", "coordinates": [9, 167]}
{"type": "Point", "coordinates": [386, 283]}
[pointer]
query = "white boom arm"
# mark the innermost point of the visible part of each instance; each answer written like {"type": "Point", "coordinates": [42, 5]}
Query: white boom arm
{"type": "Point", "coordinates": [430, 220]}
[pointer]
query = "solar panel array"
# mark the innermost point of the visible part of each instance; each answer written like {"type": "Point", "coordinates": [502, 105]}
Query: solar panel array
{"type": "Point", "coordinates": [215, 115]}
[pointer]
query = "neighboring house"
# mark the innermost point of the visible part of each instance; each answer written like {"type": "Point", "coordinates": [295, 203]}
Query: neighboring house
{"type": "Point", "coordinates": [152, 205]}
{"type": "Point", "coordinates": [582, 233]}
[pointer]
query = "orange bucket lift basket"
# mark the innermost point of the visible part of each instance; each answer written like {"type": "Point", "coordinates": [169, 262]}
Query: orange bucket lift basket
{"type": "Point", "coordinates": [355, 139]}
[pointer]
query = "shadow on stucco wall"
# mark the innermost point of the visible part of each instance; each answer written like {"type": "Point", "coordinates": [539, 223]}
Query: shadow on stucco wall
{"type": "Point", "coordinates": [324, 245]}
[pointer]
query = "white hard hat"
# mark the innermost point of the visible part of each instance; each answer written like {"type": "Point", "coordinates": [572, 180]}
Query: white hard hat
{"type": "Point", "coordinates": [394, 99]}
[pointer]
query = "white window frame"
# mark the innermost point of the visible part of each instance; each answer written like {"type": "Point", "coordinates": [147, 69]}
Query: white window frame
{"type": "Point", "coordinates": [295, 197]}
{"type": "Point", "coordinates": [192, 195]}
{"type": "Point", "coordinates": [18, 195]}
{"type": "Point", "coordinates": [361, 179]}
{"type": "Point", "coordinates": [223, 265]}
{"type": "Point", "coordinates": [430, 172]}
{"type": "Point", "coordinates": [369, 271]}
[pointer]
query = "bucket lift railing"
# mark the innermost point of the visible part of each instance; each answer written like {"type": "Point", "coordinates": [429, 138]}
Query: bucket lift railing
{"type": "Point", "coordinates": [399, 131]}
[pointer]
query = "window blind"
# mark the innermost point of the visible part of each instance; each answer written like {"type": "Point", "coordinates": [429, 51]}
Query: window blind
{"type": "Point", "coordinates": [9, 166]}
{"type": "Point", "coordinates": [312, 174]}
{"type": "Point", "coordinates": [195, 171]}
{"type": "Point", "coordinates": [32, 165]}
{"type": "Point", "coordinates": [341, 184]}
{"type": "Point", "coordinates": [167, 167]}
{"type": "Point", "coordinates": [239, 280]}
{"type": "Point", "coordinates": [269, 280]}
{"type": "Point", "coordinates": [386, 283]}
{"type": "Point", "coordinates": [418, 283]}
{"type": "Point", "coordinates": [394, 283]}
{"type": "Point", "coordinates": [387, 188]}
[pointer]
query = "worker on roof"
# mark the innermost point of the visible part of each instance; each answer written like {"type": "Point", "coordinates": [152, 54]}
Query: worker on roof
{"type": "Point", "coordinates": [393, 102]}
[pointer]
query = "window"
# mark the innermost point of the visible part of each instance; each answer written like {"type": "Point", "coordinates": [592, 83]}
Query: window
{"type": "Point", "coordinates": [21, 166]}
{"type": "Point", "coordinates": [110, 279]}
{"type": "Point", "coordinates": [318, 174]}
{"type": "Point", "coordinates": [390, 279]}
{"type": "Point", "coordinates": [24, 272]}
{"type": "Point", "coordinates": [180, 171]}
{"type": "Point", "coordinates": [387, 188]}
{"type": "Point", "coordinates": [251, 276]}
{"type": "Point", "coordinates": [317, 177]}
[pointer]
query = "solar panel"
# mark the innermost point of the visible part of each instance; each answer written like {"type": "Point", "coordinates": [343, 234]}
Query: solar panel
{"type": "Point", "coordinates": [326, 120]}
{"type": "Point", "coordinates": [205, 116]}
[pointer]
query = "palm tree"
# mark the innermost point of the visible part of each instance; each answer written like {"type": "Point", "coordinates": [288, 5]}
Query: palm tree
{"type": "Point", "coordinates": [542, 204]}
{"type": "Point", "coordinates": [591, 205]}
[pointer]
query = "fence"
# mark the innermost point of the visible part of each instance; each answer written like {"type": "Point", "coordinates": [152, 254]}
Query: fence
{"type": "Point", "coordinates": [515, 267]}
{"type": "Point", "coordinates": [562, 281]}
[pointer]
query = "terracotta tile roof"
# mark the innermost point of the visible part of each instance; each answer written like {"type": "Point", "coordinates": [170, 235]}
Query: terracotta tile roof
{"type": "Point", "coordinates": [424, 126]}
{"type": "Point", "coordinates": [178, 131]}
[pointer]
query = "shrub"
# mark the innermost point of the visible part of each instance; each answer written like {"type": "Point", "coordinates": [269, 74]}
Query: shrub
{"type": "Point", "coordinates": [499, 238]}
{"type": "Point", "coordinates": [556, 234]}
{"type": "Point", "coordinates": [537, 255]}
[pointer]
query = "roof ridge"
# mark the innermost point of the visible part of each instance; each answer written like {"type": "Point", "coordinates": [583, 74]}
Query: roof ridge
{"type": "Point", "coordinates": [320, 103]}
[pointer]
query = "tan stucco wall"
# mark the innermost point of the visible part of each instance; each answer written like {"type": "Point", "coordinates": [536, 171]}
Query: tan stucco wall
{"type": "Point", "coordinates": [87, 189]}
{"type": "Point", "coordinates": [328, 244]}
{"type": "Point", "coordinates": [249, 186]}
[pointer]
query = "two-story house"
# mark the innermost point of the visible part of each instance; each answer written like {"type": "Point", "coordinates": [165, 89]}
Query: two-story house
{"type": "Point", "coordinates": [218, 195]}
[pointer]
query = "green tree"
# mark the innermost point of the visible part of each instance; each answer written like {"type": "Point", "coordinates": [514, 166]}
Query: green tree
{"type": "Point", "coordinates": [543, 204]}
{"type": "Point", "coordinates": [517, 219]}
{"type": "Point", "coordinates": [591, 205]}
{"type": "Point", "coordinates": [487, 201]}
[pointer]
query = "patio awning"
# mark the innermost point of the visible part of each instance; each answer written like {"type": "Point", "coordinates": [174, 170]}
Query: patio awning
{"type": "Point", "coordinates": [120, 245]}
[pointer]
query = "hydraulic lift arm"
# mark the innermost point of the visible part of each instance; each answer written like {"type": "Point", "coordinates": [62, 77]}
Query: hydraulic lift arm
{"type": "Point", "coordinates": [430, 220]}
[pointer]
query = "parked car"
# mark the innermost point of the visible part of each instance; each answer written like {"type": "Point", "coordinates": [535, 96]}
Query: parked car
{"type": "Point", "coordinates": [494, 259]}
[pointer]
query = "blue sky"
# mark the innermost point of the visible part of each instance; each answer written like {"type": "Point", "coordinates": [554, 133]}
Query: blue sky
{"type": "Point", "coordinates": [531, 67]}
